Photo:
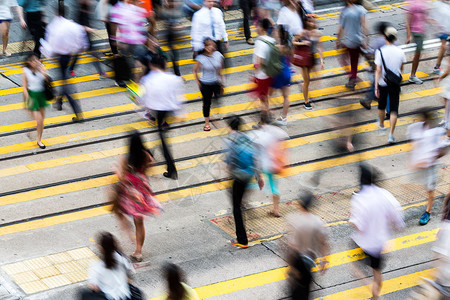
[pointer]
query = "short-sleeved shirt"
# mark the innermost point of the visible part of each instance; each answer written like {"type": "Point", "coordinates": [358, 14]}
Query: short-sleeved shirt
{"type": "Point", "coordinates": [5, 9]}
{"type": "Point", "coordinates": [290, 19]}
{"type": "Point", "coordinates": [426, 143]}
{"type": "Point", "coordinates": [394, 57]}
{"type": "Point", "coordinates": [31, 5]}
{"type": "Point", "coordinates": [262, 50]}
{"type": "Point", "coordinates": [35, 81]}
{"type": "Point", "coordinates": [418, 11]}
{"type": "Point", "coordinates": [131, 20]}
{"type": "Point", "coordinates": [440, 13]}
{"type": "Point", "coordinates": [350, 20]}
{"type": "Point", "coordinates": [112, 282]}
{"type": "Point", "coordinates": [211, 66]}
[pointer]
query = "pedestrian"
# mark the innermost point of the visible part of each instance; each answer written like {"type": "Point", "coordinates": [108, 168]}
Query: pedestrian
{"type": "Point", "coordinates": [374, 213]}
{"type": "Point", "coordinates": [306, 44]}
{"type": "Point", "coordinates": [389, 60]}
{"type": "Point", "coordinates": [33, 80]}
{"type": "Point", "coordinates": [247, 7]}
{"type": "Point", "coordinates": [66, 38]}
{"type": "Point", "coordinates": [269, 9]}
{"type": "Point", "coordinates": [242, 161]}
{"type": "Point", "coordinates": [226, 4]}
{"type": "Point", "coordinates": [445, 79]}
{"type": "Point", "coordinates": [172, 15]}
{"type": "Point", "coordinates": [163, 94]}
{"type": "Point", "coordinates": [264, 54]}
{"type": "Point", "coordinates": [352, 35]}
{"type": "Point", "coordinates": [439, 14]}
{"type": "Point", "coordinates": [416, 24]}
{"type": "Point", "coordinates": [211, 64]}
{"type": "Point", "coordinates": [270, 140]}
{"type": "Point", "coordinates": [208, 22]}
{"type": "Point", "coordinates": [103, 11]}
{"type": "Point", "coordinates": [308, 241]}
{"type": "Point", "coordinates": [290, 18]}
{"type": "Point", "coordinates": [84, 19]}
{"type": "Point", "coordinates": [108, 277]}
{"type": "Point", "coordinates": [34, 21]}
{"type": "Point", "coordinates": [177, 288]}
{"type": "Point", "coordinates": [427, 148]}
{"type": "Point", "coordinates": [5, 21]}
{"type": "Point", "coordinates": [283, 80]}
{"type": "Point", "coordinates": [190, 7]}
{"type": "Point", "coordinates": [133, 196]}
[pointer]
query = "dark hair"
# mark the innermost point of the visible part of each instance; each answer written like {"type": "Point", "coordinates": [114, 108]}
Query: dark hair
{"type": "Point", "coordinates": [234, 122]}
{"type": "Point", "coordinates": [27, 60]}
{"type": "Point", "coordinates": [61, 8]}
{"type": "Point", "coordinates": [174, 277]}
{"type": "Point", "coordinates": [207, 39]}
{"type": "Point", "coordinates": [368, 175]}
{"type": "Point", "coordinates": [284, 35]}
{"type": "Point", "coordinates": [391, 38]}
{"type": "Point", "coordinates": [446, 208]}
{"type": "Point", "coordinates": [305, 21]}
{"type": "Point", "coordinates": [425, 113]}
{"type": "Point", "coordinates": [159, 61]}
{"type": "Point", "coordinates": [137, 156]}
{"type": "Point", "coordinates": [265, 24]}
{"type": "Point", "coordinates": [381, 27]}
{"type": "Point", "coordinates": [108, 244]}
{"type": "Point", "coordinates": [306, 199]}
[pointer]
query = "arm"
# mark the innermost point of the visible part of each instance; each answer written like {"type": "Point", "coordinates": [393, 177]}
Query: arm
{"type": "Point", "coordinates": [196, 36]}
{"type": "Point", "coordinates": [377, 79]}
{"type": "Point", "coordinates": [408, 28]}
{"type": "Point", "coordinates": [339, 35]}
{"type": "Point", "coordinates": [320, 50]}
{"type": "Point", "coordinates": [196, 70]}
{"type": "Point", "coordinates": [221, 72]}
{"type": "Point", "coordinates": [365, 30]}
{"type": "Point", "coordinates": [25, 86]}
{"type": "Point", "coordinates": [19, 10]}
{"type": "Point", "coordinates": [120, 167]}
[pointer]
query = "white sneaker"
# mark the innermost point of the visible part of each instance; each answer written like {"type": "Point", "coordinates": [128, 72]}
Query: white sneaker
{"type": "Point", "coordinates": [391, 139]}
{"type": "Point", "coordinates": [414, 79]}
{"type": "Point", "coordinates": [381, 128]}
{"type": "Point", "coordinates": [280, 121]}
{"type": "Point", "coordinates": [438, 71]}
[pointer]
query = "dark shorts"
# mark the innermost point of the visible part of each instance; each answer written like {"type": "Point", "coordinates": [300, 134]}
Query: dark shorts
{"type": "Point", "coordinates": [9, 20]}
{"type": "Point", "coordinates": [443, 36]}
{"type": "Point", "coordinates": [373, 261]}
{"type": "Point", "coordinates": [394, 97]}
{"type": "Point", "coordinates": [418, 39]}
{"type": "Point", "coordinates": [262, 87]}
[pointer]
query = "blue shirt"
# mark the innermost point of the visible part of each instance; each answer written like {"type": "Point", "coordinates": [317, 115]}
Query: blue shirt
{"type": "Point", "coordinates": [31, 5]}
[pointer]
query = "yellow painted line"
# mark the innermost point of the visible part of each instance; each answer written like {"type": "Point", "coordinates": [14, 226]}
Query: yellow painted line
{"type": "Point", "coordinates": [98, 182]}
{"type": "Point", "coordinates": [336, 259]}
{"type": "Point", "coordinates": [389, 286]}
{"type": "Point", "coordinates": [190, 116]}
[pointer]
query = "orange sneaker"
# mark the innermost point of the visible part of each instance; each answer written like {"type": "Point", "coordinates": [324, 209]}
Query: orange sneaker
{"type": "Point", "coordinates": [234, 242]}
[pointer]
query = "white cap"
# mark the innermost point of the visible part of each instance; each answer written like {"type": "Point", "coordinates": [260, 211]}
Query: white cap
{"type": "Point", "coordinates": [390, 31]}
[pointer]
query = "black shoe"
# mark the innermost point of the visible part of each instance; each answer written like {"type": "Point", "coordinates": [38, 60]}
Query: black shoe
{"type": "Point", "coordinates": [77, 120]}
{"type": "Point", "coordinates": [174, 175]}
{"type": "Point", "coordinates": [307, 105]}
{"type": "Point", "coordinates": [58, 104]}
{"type": "Point", "coordinates": [121, 84]}
{"type": "Point", "coordinates": [42, 146]}
{"type": "Point", "coordinates": [350, 84]}
{"type": "Point", "coordinates": [366, 104]}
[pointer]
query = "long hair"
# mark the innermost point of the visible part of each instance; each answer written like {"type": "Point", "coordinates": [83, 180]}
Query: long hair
{"type": "Point", "coordinates": [27, 61]}
{"type": "Point", "coordinates": [284, 35]}
{"type": "Point", "coordinates": [137, 153]}
{"type": "Point", "coordinates": [108, 244]}
{"type": "Point", "coordinates": [174, 277]}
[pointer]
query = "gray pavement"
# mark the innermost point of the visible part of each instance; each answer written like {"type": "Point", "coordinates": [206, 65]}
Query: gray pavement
{"type": "Point", "coordinates": [41, 188]}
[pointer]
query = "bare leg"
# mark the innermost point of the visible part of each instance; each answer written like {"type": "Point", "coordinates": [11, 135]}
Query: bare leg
{"type": "Point", "coordinates": [305, 75]}
{"type": "Point", "coordinates": [377, 282]}
{"type": "Point", "coordinates": [4, 28]}
{"type": "Point", "coordinates": [430, 200]}
{"type": "Point", "coordinates": [381, 113]}
{"type": "Point", "coordinates": [125, 225]}
{"type": "Point", "coordinates": [39, 117]}
{"type": "Point", "coordinates": [265, 103]}
{"type": "Point", "coordinates": [276, 205]}
{"type": "Point", "coordinates": [415, 63]}
{"type": "Point", "coordinates": [285, 92]}
{"type": "Point", "coordinates": [441, 52]}
{"type": "Point", "coordinates": [206, 121]}
{"type": "Point", "coordinates": [392, 121]}
{"type": "Point", "coordinates": [140, 235]}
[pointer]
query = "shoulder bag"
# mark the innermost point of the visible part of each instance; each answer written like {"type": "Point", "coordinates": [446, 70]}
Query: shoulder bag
{"type": "Point", "coordinates": [390, 77]}
{"type": "Point", "coordinates": [303, 56]}
{"type": "Point", "coordinates": [48, 88]}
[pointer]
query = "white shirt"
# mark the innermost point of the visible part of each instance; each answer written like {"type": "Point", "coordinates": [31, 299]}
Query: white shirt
{"type": "Point", "coordinates": [112, 282]}
{"type": "Point", "coordinates": [35, 81]}
{"type": "Point", "coordinates": [394, 57]}
{"type": "Point", "coordinates": [264, 138]}
{"type": "Point", "coordinates": [291, 21]}
{"type": "Point", "coordinates": [5, 9]}
{"type": "Point", "coordinates": [440, 12]}
{"type": "Point", "coordinates": [201, 27]}
{"type": "Point", "coordinates": [163, 91]}
{"type": "Point", "coordinates": [65, 37]}
{"type": "Point", "coordinates": [262, 50]}
{"type": "Point", "coordinates": [374, 211]}
{"type": "Point", "coordinates": [426, 143]}
{"type": "Point", "coordinates": [308, 5]}
{"type": "Point", "coordinates": [442, 249]}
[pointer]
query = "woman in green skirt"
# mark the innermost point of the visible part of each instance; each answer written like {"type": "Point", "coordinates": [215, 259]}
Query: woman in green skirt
{"type": "Point", "coordinates": [33, 78]}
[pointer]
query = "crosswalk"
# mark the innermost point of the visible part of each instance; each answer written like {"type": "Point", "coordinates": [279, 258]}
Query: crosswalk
{"type": "Point", "coordinates": [36, 199]}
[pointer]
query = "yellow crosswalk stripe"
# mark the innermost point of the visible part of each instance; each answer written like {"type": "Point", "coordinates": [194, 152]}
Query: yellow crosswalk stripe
{"type": "Point", "coordinates": [336, 259]}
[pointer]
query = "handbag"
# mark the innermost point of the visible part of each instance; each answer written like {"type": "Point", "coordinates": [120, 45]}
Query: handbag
{"type": "Point", "coordinates": [48, 89]}
{"type": "Point", "coordinates": [390, 77]}
{"type": "Point", "coordinates": [303, 56]}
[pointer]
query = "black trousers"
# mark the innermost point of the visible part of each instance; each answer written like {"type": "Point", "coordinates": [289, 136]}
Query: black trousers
{"type": "Point", "coordinates": [96, 62]}
{"type": "Point", "coordinates": [160, 117]}
{"type": "Point", "coordinates": [238, 190]}
{"type": "Point", "coordinates": [112, 43]}
{"type": "Point", "coordinates": [209, 90]}
{"type": "Point", "coordinates": [37, 29]}
{"type": "Point", "coordinates": [247, 6]}
{"type": "Point", "coordinates": [64, 61]}
{"type": "Point", "coordinates": [300, 286]}
{"type": "Point", "coordinates": [394, 97]}
{"type": "Point", "coordinates": [171, 35]}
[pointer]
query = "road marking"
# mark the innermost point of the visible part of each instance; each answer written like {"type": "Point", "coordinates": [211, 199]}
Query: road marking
{"type": "Point", "coordinates": [336, 259]}
{"type": "Point", "coordinates": [98, 182]}
{"type": "Point", "coordinates": [190, 116]}
{"type": "Point", "coordinates": [389, 286]}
